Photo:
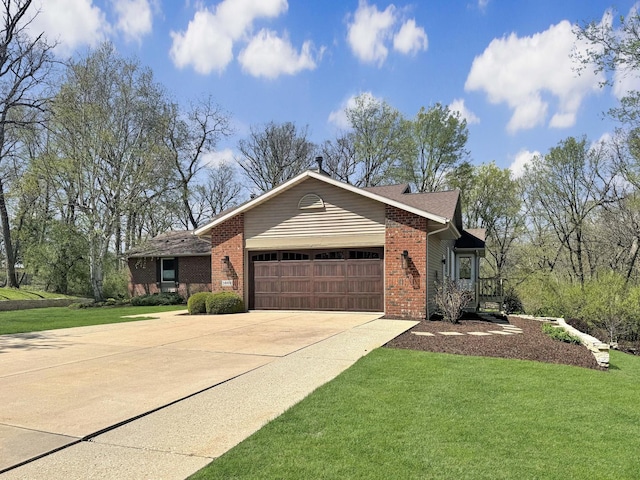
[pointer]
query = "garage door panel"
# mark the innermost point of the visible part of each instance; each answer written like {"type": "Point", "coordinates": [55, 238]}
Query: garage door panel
{"type": "Point", "coordinates": [318, 282]}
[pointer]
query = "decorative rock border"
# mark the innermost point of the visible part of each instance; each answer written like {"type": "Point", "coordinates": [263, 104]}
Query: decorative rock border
{"type": "Point", "coordinates": [599, 349]}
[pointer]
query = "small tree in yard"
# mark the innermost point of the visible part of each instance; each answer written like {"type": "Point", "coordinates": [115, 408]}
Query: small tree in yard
{"type": "Point", "coordinates": [451, 298]}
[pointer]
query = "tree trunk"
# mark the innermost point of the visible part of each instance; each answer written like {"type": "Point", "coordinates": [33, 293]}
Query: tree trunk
{"type": "Point", "coordinates": [10, 259]}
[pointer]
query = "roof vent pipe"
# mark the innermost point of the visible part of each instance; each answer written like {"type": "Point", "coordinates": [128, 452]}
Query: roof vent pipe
{"type": "Point", "coordinates": [319, 162]}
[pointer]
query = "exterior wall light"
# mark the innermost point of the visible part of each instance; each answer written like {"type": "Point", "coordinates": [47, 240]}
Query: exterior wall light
{"type": "Point", "coordinates": [404, 257]}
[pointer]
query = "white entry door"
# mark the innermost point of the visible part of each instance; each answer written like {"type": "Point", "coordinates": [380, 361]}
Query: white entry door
{"type": "Point", "coordinates": [465, 271]}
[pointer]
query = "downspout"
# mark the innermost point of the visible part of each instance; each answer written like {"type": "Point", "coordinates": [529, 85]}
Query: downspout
{"type": "Point", "coordinates": [428, 266]}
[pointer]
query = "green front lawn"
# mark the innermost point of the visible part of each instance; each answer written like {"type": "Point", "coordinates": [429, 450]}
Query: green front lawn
{"type": "Point", "coordinates": [419, 415]}
{"type": "Point", "coordinates": [38, 319]}
{"type": "Point", "coordinates": [26, 294]}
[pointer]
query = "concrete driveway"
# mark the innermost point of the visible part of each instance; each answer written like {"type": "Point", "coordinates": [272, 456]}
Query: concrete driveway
{"type": "Point", "coordinates": [61, 387]}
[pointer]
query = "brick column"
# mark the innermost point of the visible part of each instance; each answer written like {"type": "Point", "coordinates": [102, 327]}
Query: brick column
{"type": "Point", "coordinates": [405, 289]}
{"type": "Point", "coordinates": [227, 239]}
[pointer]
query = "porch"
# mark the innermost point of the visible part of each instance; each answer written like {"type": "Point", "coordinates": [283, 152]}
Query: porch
{"type": "Point", "coordinates": [490, 290]}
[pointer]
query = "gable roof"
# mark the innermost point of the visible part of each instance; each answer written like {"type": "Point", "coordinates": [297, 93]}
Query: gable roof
{"type": "Point", "coordinates": [172, 244]}
{"type": "Point", "coordinates": [392, 196]}
{"type": "Point", "coordinates": [473, 239]}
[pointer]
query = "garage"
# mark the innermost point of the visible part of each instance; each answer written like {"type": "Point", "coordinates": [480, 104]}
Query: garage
{"type": "Point", "coordinates": [338, 279]}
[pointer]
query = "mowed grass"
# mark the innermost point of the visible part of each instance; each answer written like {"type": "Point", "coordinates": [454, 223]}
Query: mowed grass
{"type": "Point", "coordinates": [419, 415]}
{"type": "Point", "coordinates": [27, 294]}
{"type": "Point", "coordinates": [38, 319]}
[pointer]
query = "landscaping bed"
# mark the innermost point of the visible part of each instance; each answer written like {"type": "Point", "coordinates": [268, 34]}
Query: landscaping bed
{"type": "Point", "coordinates": [532, 344]}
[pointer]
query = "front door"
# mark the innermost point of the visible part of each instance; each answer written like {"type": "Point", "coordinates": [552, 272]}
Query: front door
{"type": "Point", "coordinates": [465, 272]}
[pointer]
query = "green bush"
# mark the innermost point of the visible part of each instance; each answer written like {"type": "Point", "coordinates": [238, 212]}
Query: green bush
{"type": "Point", "coordinates": [155, 299]}
{"type": "Point", "coordinates": [116, 284]}
{"type": "Point", "coordinates": [197, 302]}
{"type": "Point", "coordinates": [512, 302]}
{"type": "Point", "coordinates": [223, 303]}
{"type": "Point", "coordinates": [560, 334]}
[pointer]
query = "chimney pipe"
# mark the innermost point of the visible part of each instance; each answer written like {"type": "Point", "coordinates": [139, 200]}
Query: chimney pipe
{"type": "Point", "coordinates": [319, 161]}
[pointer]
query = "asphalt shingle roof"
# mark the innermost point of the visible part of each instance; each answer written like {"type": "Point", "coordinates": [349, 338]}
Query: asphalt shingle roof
{"type": "Point", "coordinates": [172, 244]}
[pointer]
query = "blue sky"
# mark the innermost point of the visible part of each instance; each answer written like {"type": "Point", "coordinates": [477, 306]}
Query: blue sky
{"type": "Point", "coordinates": [503, 64]}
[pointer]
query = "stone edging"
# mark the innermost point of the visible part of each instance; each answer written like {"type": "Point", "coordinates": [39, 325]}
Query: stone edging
{"type": "Point", "coordinates": [599, 349]}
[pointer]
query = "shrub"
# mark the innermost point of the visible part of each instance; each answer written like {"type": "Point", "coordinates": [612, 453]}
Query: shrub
{"type": "Point", "coordinates": [197, 303]}
{"type": "Point", "coordinates": [223, 303]}
{"type": "Point", "coordinates": [451, 299]}
{"type": "Point", "coordinates": [116, 285]}
{"type": "Point", "coordinates": [512, 302]}
{"type": "Point", "coordinates": [155, 299]}
{"type": "Point", "coordinates": [558, 333]}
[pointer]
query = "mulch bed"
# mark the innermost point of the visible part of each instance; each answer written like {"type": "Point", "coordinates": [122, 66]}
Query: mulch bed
{"type": "Point", "coordinates": [532, 344]}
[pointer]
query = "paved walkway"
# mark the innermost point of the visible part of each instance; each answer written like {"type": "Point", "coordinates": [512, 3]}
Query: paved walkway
{"type": "Point", "coordinates": [205, 386]}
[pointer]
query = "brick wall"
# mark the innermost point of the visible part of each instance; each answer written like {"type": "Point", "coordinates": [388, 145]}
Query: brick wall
{"type": "Point", "coordinates": [194, 275]}
{"type": "Point", "coordinates": [405, 289]}
{"type": "Point", "coordinates": [227, 239]}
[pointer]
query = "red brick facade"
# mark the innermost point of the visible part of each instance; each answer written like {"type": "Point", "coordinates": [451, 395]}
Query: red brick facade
{"type": "Point", "coordinates": [405, 288]}
{"type": "Point", "coordinates": [227, 239]}
{"type": "Point", "coordinates": [194, 275]}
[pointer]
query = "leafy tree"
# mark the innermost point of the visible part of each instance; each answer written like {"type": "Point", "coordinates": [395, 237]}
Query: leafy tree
{"type": "Point", "coordinates": [189, 138]}
{"type": "Point", "coordinates": [107, 120]}
{"type": "Point", "coordinates": [341, 160]}
{"type": "Point", "coordinates": [439, 141]}
{"type": "Point", "coordinates": [492, 200]}
{"type": "Point", "coordinates": [25, 62]}
{"type": "Point", "coordinates": [565, 188]}
{"type": "Point", "coordinates": [380, 141]}
{"type": "Point", "coordinates": [275, 153]}
{"type": "Point", "coordinates": [219, 191]}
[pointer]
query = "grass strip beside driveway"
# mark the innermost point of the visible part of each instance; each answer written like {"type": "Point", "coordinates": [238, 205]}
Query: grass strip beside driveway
{"type": "Point", "coordinates": [421, 415]}
{"type": "Point", "coordinates": [36, 320]}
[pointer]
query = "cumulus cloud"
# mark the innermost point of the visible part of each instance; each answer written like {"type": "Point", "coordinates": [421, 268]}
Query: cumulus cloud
{"type": "Point", "coordinates": [71, 23]}
{"type": "Point", "coordinates": [135, 18]}
{"type": "Point", "coordinates": [370, 31]}
{"type": "Point", "coordinates": [520, 161]}
{"type": "Point", "coordinates": [207, 43]}
{"type": "Point", "coordinates": [410, 39]}
{"type": "Point", "coordinates": [339, 118]}
{"type": "Point", "coordinates": [458, 106]}
{"type": "Point", "coordinates": [518, 71]}
{"type": "Point", "coordinates": [268, 55]}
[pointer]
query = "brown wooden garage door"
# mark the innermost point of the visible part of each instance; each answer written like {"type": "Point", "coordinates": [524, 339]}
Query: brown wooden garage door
{"type": "Point", "coordinates": [346, 280]}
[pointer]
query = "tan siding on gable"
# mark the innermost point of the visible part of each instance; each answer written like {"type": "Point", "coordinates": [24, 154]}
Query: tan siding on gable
{"type": "Point", "coordinates": [347, 219]}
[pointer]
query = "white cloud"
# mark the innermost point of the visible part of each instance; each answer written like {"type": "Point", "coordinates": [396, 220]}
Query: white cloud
{"type": "Point", "coordinates": [207, 43]}
{"type": "Point", "coordinates": [135, 18]}
{"type": "Point", "coordinates": [482, 4]}
{"type": "Point", "coordinates": [370, 31]}
{"type": "Point", "coordinates": [458, 106]}
{"type": "Point", "coordinates": [519, 70]}
{"type": "Point", "coordinates": [410, 39]}
{"type": "Point", "coordinates": [339, 117]}
{"type": "Point", "coordinates": [267, 55]}
{"type": "Point", "coordinates": [521, 159]}
{"type": "Point", "coordinates": [71, 23]}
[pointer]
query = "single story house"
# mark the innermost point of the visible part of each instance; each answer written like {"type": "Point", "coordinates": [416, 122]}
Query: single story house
{"type": "Point", "coordinates": [172, 262]}
{"type": "Point", "coordinates": [315, 243]}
